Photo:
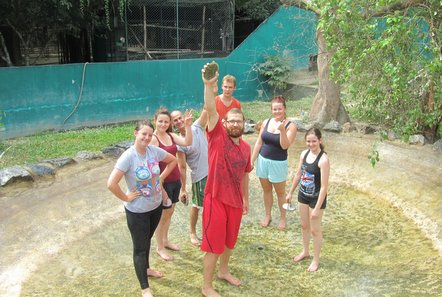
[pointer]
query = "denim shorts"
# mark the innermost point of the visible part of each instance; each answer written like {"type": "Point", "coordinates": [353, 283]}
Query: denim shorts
{"type": "Point", "coordinates": [274, 171]}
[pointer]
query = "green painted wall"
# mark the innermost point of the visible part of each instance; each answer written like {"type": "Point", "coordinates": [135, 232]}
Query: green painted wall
{"type": "Point", "coordinates": [39, 98]}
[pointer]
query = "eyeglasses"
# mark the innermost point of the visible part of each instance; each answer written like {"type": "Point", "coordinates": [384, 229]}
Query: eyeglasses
{"type": "Point", "coordinates": [233, 122]}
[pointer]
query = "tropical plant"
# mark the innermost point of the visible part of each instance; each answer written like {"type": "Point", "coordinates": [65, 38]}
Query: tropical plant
{"type": "Point", "coordinates": [275, 69]}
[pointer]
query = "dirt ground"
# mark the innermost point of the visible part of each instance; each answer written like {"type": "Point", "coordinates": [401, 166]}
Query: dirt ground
{"type": "Point", "coordinates": [40, 219]}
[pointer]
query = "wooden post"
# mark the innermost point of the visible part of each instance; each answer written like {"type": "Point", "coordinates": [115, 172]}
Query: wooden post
{"type": "Point", "coordinates": [203, 31]}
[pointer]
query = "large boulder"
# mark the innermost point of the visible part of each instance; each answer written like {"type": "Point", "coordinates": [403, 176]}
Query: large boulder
{"type": "Point", "coordinates": [13, 173]}
{"type": "Point", "coordinates": [333, 126]}
{"type": "Point", "coordinates": [60, 162]}
{"type": "Point", "coordinates": [437, 146]}
{"type": "Point", "coordinates": [85, 155]}
{"type": "Point", "coordinates": [416, 139]}
{"type": "Point", "coordinates": [40, 169]}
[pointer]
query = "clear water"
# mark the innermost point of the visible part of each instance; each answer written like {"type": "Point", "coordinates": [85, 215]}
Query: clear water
{"type": "Point", "coordinates": [69, 237]}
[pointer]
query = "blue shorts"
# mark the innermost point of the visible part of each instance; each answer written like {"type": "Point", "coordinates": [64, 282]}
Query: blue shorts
{"type": "Point", "coordinates": [274, 171]}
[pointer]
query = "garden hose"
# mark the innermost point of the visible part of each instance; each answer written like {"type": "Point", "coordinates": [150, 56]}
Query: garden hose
{"type": "Point", "coordinates": [79, 96]}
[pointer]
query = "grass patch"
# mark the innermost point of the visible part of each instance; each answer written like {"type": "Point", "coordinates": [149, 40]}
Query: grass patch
{"type": "Point", "coordinates": [259, 110]}
{"type": "Point", "coordinates": [32, 149]}
{"type": "Point", "coordinates": [42, 146]}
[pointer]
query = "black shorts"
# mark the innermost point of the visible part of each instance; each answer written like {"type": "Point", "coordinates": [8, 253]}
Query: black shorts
{"type": "Point", "coordinates": [311, 201]}
{"type": "Point", "coordinates": [173, 190]}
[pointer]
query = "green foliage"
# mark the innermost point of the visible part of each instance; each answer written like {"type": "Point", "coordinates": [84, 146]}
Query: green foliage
{"type": "Point", "coordinates": [391, 64]}
{"type": "Point", "coordinates": [373, 156]}
{"type": "Point", "coordinates": [260, 110]}
{"type": "Point", "coordinates": [276, 70]}
{"type": "Point", "coordinates": [256, 9]}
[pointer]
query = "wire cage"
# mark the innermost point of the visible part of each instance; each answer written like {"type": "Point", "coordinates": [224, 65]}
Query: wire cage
{"type": "Point", "coordinates": [175, 29]}
{"type": "Point", "coordinates": [144, 30]}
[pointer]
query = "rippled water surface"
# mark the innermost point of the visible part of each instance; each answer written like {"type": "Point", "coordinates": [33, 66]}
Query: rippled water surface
{"type": "Point", "coordinates": [69, 237]}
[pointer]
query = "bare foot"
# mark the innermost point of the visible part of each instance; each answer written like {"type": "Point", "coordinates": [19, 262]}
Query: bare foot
{"type": "Point", "coordinates": [209, 292]}
{"type": "Point", "coordinates": [282, 225]}
{"type": "Point", "coordinates": [146, 293]}
{"type": "Point", "coordinates": [154, 273]}
{"type": "Point", "coordinates": [266, 222]}
{"type": "Point", "coordinates": [300, 257]}
{"type": "Point", "coordinates": [229, 278]}
{"type": "Point", "coordinates": [172, 246]}
{"type": "Point", "coordinates": [164, 255]}
{"type": "Point", "coordinates": [313, 266]}
{"type": "Point", "coordinates": [194, 240]}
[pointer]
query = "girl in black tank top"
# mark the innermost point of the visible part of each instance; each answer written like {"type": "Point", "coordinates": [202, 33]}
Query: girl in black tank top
{"type": "Point", "coordinates": [312, 177]}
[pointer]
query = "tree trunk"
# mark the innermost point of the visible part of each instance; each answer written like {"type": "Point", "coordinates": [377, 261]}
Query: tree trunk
{"type": "Point", "coordinates": [327, 105]}
{"type": "Point", "coordinates": [4, 53]}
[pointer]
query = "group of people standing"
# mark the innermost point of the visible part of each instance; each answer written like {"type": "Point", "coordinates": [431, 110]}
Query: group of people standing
{"type": "Point", "coordinates": [154, 168]}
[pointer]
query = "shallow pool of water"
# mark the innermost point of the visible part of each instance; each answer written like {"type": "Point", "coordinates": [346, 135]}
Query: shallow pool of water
{"type": "Point", "coordinates": [381, 232]}
{"type": "Point", "coordinates": [370, 249]}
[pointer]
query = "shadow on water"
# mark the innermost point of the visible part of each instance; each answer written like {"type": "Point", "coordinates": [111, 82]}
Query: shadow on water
{"type": "Point", "coordinates": [69, 236]}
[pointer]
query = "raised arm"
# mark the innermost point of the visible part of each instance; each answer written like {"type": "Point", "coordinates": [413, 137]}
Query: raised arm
{"type": "Point", "coordinates": [187, 140]}
{"type": "Point", "coordinates": [209, 99]}
{"type": "Point", "coordinates": [203, 118]}
{"type": "Point", "coordinates": [287, 135]}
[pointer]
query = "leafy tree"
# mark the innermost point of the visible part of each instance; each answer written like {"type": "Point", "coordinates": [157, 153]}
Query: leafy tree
{"type": "Point", "coordinates": [256, 9]}
{"type": "Point", "coordinates": [388, 54]}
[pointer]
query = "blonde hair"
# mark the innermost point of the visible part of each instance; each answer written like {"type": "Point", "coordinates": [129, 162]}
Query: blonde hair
{"type": "Point", "coordinates": [229, 78]}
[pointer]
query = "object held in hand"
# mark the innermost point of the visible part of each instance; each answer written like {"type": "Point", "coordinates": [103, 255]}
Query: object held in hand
{"type": "Point", "coordinates": [210, 70]}
{"type": "Point", "coordinates": [289, 206]}
{"type": "Point", "coordinates": [167, 204]}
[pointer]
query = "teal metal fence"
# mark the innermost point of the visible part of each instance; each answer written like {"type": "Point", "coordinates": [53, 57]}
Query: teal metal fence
{"type": "Point", "coordinates": [34, 99]}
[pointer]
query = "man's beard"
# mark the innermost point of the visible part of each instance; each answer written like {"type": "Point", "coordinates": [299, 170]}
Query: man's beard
{"type": "Point", "coordinates": [235, 132]}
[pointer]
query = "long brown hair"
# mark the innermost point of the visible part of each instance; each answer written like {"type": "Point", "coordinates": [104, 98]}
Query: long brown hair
{"type": "Point", "coordinates": [163, 111]}
{"type": "Point", "coordinates": [317, 133]}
